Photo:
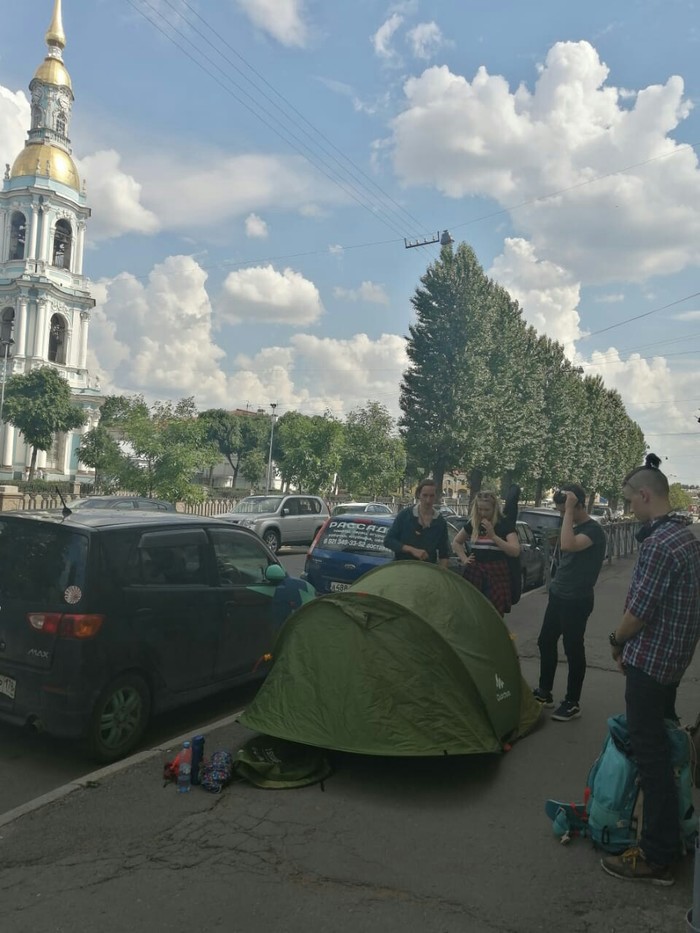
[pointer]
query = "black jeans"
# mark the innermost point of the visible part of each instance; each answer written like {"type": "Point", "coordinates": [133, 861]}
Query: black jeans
{"type": "Point", "coordinates": [564, 618]}
{"type": "Point", "coordinates": [648, 703]}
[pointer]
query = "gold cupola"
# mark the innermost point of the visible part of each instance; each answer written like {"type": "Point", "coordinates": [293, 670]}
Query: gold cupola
{"type": "Point", "coordinates": [47, 153]}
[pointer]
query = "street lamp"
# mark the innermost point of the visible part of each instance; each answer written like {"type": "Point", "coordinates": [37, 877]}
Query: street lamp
{"type": "Point", "coordinates": [273, 405]}
{"type": "Point", "coordinates": [6, 343]}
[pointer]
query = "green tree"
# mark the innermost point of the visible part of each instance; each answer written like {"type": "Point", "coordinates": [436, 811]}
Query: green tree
{"type": "Point", "coordinates": [100, 451]}
{"type": "Point", "coordinates": [373, 458]}
{"type": "Point", "coordinates": [39, 404]}
{"type": "Point", "coordinates": [236, 436]}
{"type": "Point", "coordinates": [679, 497]}
{"type": "Point", "coordinates": [168, 445]}
{"type": "Point", "coordinates": [254, 467]}
{"type": "Point", "coordinates": [307, 450]}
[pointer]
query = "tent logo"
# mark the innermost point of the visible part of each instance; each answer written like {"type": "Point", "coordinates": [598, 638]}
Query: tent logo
{"type": "Point", "coordinates": [503, 694]}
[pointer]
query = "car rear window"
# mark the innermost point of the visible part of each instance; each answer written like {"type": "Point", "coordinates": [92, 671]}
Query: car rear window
{"type": "Point", "coordinates": [541, 518]}
{"type": "Point", "coordinates": [359, 535]}
{"type": "Point", "coordinates": [39, 562]}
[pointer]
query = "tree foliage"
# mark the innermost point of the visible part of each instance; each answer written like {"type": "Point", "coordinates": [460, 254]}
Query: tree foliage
{"type": "Point", "coordinates": [39, 404]}
{"type": "Point", "coordinates": [237, 437]}
{"type": "Point", "coordinates": [485, 394]}
{"type": "Point", "coordinates": [306, 451]}
{"type": "Point", "coordinates": [373, 459]}
{"type": "Point", "coordinates": [679, 497]}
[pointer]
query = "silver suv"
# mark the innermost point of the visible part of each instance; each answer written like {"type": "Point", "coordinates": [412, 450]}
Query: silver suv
{"type": "Point", "coordinates": [280, 520]}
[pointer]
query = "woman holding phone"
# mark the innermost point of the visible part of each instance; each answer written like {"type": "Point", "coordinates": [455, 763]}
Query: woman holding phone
{"type": "Point", "coordinates": [491, 538]}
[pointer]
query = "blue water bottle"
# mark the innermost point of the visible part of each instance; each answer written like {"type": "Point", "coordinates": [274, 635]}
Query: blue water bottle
{"type": "Point", "coordinates": [184, 769]}
{"type": "Point", "coordinates": [197, 756]}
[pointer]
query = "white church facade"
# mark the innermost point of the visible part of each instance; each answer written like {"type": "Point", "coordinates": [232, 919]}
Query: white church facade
{"type": "Point", "coordinates": [45, 300]}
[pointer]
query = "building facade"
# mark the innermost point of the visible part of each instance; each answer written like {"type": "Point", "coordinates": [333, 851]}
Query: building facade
{"type": "Point", "coordinates": [45, 300]}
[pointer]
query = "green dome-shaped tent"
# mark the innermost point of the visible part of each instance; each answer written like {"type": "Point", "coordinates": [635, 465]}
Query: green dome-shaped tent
{"type": "Point", "coordinates": [411, 660]}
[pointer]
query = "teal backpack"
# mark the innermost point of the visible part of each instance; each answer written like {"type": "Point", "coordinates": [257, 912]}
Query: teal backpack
{"type": "Point", "coordinates": [611, 812]}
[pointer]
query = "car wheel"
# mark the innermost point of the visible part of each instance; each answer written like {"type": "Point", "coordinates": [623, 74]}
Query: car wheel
{"type": "Point", "coordinates": [119, 718]}
{"type": "Point", "coordinates": [272, 540]}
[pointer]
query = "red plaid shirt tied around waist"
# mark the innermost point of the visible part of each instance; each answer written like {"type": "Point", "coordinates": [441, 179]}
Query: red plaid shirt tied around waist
{"type": "Point", "coordinates": [665, 595]}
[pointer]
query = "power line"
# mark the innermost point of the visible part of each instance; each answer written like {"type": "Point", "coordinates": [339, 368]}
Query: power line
{"type": "Point", "coordinates": [638, 317]}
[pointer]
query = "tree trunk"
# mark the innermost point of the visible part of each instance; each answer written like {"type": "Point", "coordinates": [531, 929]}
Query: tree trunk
{"type": "Point", "coordinates": [476, 477]}
{"type": "Point", "coordinates": [538, 492]}
{"type": "Point", "coordinates": [32, 464]}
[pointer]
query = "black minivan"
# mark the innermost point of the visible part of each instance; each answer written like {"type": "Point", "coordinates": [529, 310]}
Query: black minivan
{"type": "Point", "coordinates": [108, 617]}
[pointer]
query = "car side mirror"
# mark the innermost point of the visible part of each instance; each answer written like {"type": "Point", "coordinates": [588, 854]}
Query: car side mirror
{"type": "Point", "coordinates": [285, 511]}
{"type": "Point", "coordinates": [275, 573]}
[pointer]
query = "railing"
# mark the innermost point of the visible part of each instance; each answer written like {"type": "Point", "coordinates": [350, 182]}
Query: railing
{"type": "Point", "coordinates": [620, 541]}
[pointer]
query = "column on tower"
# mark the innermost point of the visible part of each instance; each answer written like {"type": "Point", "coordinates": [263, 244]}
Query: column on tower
{"type": "Point", "coordinates": [34, 231]}
{"type": "Point", "coordinates": [84, 323]}
{"type": "Point", "coordinates": [42, 332]}
{"type": "Point", "coordinates": [21, 327]}
{"type": "Point", "coordinates": [8, 444]}
{"type": "Point", "coordinates": [79, 247]}
{"type": "Point", "coordinates": [45, 255]}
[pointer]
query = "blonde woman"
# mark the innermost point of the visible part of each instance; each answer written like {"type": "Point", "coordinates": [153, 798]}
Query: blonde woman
{"type": "Point", "coordinates": [491, 539]}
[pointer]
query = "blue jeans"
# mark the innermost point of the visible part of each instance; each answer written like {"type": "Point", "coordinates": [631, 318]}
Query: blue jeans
{"type": "Point", "coordinates": [566, 619]}
{"type": "Point", "coordinates": [648, 704]}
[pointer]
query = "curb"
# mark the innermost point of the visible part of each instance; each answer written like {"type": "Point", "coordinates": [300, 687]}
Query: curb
{"type": "Point", "coordinates": [96, 777]}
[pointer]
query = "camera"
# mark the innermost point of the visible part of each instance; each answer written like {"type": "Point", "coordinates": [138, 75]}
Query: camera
{"type": "Point", "coordinates": [559, 497]}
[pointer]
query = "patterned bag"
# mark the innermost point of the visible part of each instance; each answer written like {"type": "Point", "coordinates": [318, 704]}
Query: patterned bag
{"type": "Point", "coordinates": [217, 771]}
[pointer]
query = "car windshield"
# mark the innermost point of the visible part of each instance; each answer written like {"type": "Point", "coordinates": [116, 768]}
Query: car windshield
{"type": "Point", "coordinates": [355, 536]}
{"type": "Point", "coordinates": [348, 509]}
{"type": "Point", "coordinates": [38, 562]}
{"type": "Point", "coordinates": [256, 505]}
{"type": "Point", "coordinates": [545, 519]}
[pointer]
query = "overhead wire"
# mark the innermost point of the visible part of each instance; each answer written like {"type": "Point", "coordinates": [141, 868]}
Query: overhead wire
{"type": "Point", "coordinates": [349, 185]}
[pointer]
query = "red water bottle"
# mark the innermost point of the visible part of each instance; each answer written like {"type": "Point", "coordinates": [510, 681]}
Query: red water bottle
{"type": "Point", "coordinates": [184, 769]}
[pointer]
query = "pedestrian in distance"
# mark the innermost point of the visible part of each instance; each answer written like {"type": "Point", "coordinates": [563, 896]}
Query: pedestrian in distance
{"type": "Point", "coordinates": [419, 532]}
{"type": "Point", "coordinates": [582, 545]}
{"type": "Point", "coordinates": [492, 539]}
{"type": "Point", "coordinates": [653, 645]}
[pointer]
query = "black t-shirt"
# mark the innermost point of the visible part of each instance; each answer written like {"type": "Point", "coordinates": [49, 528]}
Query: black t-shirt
{"type": "Point", "coordinates": [483, 548]}
{"type": "Point", "coordinates": [578, 570]}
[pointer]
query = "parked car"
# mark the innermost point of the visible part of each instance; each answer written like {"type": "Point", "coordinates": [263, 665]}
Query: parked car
{"type": "Point", "coordinates": [348, 546]}
{"type": "Point", "coordinates": [602, 514]}
{"type": "Point", "coordinates": [544, 523]}
{"type": "Point", "coordinates": [142, 503]}
{"type": "Point", "coordinates": [108, 617]}
{"type": "Point", "coordinates": [531, 556]}
{"type": "Point", "coordinates": [355, 508]}
{"type": "Point", "coordinates": [280, 520]}
{"type": "Point", "coordinates": [450, 515]}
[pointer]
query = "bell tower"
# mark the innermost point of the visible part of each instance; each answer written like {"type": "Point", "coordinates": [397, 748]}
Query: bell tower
{"type": "Point", "coordinates": [45, 301]}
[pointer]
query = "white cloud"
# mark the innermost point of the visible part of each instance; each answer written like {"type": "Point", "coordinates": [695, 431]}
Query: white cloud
{"type": "Point", "coordinates": [14, 123]}
{"type": "Point", "coordinates": [687, 316]}
{"type": "Point", "coordinates": [610, 299]}
{"type": "Point", "coordinates": [480, 138]}
{"type": "Point", "coordinates": [381, 40]}
{"type": "Point", "coordinates": [255, 227]}
{"type": "Point", "coordinates": [282, 19]}
{"type": "Point", "coordinates": [156, 337]}
{"type": "Point", "coordinates": [371, 292]}
{"type": "Point", "coordinates": [213, 188]}
{"type": "Point", "coordinates": [115, 198]}
{"type": "Point", "coordinates": [262, 294]}
{"type": "Point", "coordinates": [547, 294]}
{"type": "Point", "coordinates": [425, 39]}
{"type": "Point", "coordinates": [335, 249]}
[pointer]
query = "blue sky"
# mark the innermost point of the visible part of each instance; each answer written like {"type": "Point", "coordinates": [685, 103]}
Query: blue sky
{"type": "Point", "coordinates": [238, 256]}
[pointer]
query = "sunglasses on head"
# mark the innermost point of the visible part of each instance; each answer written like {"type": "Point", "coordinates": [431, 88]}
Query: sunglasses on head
{"type": "Point", "coordinates": [485, 495]}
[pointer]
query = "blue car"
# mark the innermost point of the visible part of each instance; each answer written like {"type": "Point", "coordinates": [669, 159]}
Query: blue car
{"type": "Point", "coordinates": [350, 545]}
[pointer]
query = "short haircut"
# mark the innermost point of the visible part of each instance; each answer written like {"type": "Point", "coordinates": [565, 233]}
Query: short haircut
{"type": "Point", "coordinates": [648, 476]}
{"type": "Point", "coordinates": [423, 483]}
{"type": "Point", "coordinates": [577, 490]}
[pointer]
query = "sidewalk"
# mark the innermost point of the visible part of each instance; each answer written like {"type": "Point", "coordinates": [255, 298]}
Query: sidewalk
{"type": "Point", "coordinates": [389, 846]}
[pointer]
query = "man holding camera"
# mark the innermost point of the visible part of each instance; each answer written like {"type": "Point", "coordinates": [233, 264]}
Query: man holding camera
{"type": "Point", "coordinates": [582, 544]}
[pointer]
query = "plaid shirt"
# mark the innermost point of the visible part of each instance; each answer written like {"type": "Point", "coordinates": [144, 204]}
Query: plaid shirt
{"type": "Point", "coordinates": [665, 595]}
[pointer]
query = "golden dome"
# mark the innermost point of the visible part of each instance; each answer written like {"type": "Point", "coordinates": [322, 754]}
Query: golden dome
{"type": "Point", "coordinates": [61, 166]}
{"type": "Point", "coordinates": [53, 71]}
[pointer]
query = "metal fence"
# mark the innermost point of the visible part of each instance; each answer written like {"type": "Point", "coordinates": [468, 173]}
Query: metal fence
{"type": "Point", "coordinates": [620, 541]}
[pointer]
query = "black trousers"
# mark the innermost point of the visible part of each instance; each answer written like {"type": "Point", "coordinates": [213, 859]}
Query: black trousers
{"type": "Point", "coordinates": [566, 619]}
{"type": "Point", "coordinates": [648, 704]}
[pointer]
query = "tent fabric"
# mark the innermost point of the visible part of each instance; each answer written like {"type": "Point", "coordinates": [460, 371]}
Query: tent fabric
{"type": "Point", "coordinates": [410, 660]}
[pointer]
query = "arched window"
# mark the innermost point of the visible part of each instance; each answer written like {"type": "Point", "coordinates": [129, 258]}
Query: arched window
{"type": "Point", "coordinates": [18, 234]}
{"type": "Point", "coordinates": [36, 116]}
{"type": "Point", "coordinates": [61, 123]}
{"type": "Point", "coordinates": [57, 340]}
{"type": "Point", "coordinates": [62, 242]}
{"type": "Point", "coordinates": [7, 323]}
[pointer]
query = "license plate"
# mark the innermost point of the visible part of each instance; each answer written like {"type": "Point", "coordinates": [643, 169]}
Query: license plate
{"type": "Point", "coordinates": [337, 587]}
{"type": "Point", "coordinates": [7, 686]}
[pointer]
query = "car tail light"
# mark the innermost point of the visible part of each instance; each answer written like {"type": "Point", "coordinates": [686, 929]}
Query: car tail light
{"type": "Point", "coordinates": [66, 624]}
{"type": "Point", "coordinates": [317, 538]}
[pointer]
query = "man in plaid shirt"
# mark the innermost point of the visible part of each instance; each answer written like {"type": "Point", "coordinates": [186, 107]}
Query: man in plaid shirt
{"type": "Point", "coordinates": [654, 644]}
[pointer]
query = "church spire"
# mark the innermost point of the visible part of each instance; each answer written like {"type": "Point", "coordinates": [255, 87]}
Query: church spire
{"type": "Point", "coordinates": [55, 36]}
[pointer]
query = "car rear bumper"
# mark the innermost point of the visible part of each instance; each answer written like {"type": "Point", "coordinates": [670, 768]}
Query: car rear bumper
{"type": "Point", "coordinates": [53, 708]}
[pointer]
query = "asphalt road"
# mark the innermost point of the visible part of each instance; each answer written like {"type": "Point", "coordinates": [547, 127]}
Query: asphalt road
{"type": "Point", "coordinates": [32, 764]}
